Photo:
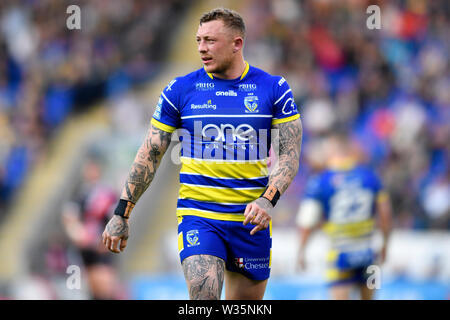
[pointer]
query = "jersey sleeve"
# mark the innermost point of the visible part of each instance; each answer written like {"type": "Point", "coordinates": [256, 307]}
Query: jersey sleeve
{"type": "Point", "coordinates": [285, 108]}
{"type": "Point", "coordinates": [313, 188]}
{"type": "Point", "coordinates": [167, 113]}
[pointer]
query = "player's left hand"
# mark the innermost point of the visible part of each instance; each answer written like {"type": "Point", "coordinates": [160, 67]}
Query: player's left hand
{"type": "Point", "coordinates": [257, 213]}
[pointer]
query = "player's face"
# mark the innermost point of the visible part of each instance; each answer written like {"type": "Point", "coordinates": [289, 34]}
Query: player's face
{"type": "Point", "coordinates": [216, 46]}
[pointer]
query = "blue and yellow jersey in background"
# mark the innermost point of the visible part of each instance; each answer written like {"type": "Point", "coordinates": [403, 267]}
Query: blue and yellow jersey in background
{"type": "Point", "coordinates": [225, 131]}
{"type": "Point", "coordinates": [348, 199]}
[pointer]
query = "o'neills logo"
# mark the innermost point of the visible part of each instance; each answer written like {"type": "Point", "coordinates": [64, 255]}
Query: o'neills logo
{"type": "Point", "coordinates": [229, 93]}
{"type": "Point", "coordinates": [204, 86]}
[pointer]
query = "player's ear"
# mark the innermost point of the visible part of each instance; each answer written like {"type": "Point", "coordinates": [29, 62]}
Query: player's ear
{"type": "Point", "coordinates": [238, 44]}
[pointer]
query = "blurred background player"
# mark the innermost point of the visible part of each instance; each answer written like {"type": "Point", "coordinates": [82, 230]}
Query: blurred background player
{"type": "Point", "coordinates": [84, 218]}
{"type": "Point", "coordinates": [345, 198]}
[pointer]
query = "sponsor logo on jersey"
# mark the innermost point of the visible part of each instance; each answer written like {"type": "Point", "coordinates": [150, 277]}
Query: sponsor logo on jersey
{"type": "Point", "coordinates": [207, 105]}
{"type": "Point", "coordinates": [243, 132]}
{"type": "Point", "coordinates": [229, 93]}
{"type": "Point", "coordinates": [249, 143]}
{"type": "Point", "coordinates": [251, 104]}
{"type": "Point", "coordinates": [192, 238]}
{"type": "Point", "coordinates": [157, 114]}
{"type": "Point", "coordinates": [247, 87]}
{"type": "Point", "coordinates": [288, 108]}
{"type": "Point", "coordinates": [282, 80]}
{"type": "Point", "coordinates": [204, 86]}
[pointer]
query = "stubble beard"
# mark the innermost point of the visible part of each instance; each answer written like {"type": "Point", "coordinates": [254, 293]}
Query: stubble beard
{"type": "Point", "coordinates": [221, 68]}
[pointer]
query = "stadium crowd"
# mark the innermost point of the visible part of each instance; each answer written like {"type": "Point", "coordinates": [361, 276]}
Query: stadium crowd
{"type": "Point", "coordinates": [389, 88]}
{"type": "Point", "coordinates": [48, 71]}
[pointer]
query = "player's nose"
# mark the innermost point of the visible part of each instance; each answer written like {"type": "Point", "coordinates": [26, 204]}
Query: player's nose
{"type": "Point", "coordinates": [202, 48]}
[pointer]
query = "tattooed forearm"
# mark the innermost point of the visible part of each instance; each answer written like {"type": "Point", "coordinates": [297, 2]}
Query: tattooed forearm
{"type": "Point", "coordinates": [145, 164]}
{"type": "Point", "coordinates": [204, 276]}
{"type": "Point", "coordinates": [290, 139]}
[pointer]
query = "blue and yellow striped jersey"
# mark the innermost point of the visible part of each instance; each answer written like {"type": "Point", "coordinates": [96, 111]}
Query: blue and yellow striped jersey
{"type": "Point", "coordinates": [225, 133]}
{"type": "Point", "coordinates": [348, 198]}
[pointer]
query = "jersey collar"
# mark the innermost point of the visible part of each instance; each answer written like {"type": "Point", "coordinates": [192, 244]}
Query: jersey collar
{"type": "Point", "coordinates": [342, 164]}
{"type": "Point", "coordinates": [247, 67]}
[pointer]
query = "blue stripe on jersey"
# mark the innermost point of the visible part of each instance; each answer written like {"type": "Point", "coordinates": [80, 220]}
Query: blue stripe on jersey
{"type": "Point", "coordinates": [211, 206]}
{"type": "Point", "coordinates": [224, 183]}
{"type": "Point", "coordinates": [225, 134]}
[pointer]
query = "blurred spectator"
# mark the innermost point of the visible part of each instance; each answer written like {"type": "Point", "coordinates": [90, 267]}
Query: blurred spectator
{"type": "Point", "coordinates": [84, 219]}
{"type": "Point", "coordinates": [48, 71]}
{"type": "Point", "coordinates": [389, 87]}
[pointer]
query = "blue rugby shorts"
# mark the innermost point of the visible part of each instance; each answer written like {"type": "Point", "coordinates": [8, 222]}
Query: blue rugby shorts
{"type": "Point", "coordinates": [229, 240]}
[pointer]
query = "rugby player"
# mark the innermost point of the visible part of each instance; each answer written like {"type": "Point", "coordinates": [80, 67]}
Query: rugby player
{"type": "Point", "coordinates": [345, 199]}
{"type": "Point", "coordinates": [224, 112]}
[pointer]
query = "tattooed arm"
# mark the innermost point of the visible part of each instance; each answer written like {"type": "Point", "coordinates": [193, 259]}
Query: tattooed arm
{"type": "Point", "coordinates": [290, 139]}
{"type": "Point", "coordinates": [142, 172]}
{"type": "Point", "coordinates": [145, 164]}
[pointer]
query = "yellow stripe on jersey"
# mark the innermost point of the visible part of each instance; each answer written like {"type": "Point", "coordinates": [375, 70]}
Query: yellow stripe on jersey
{"type": "Point", "coordinates": [247, 67]}
{"type": "Point", "coordinates": [354, 230]}
{"type": "Point", "coordinates": [180, 242]}
{"type": "Point", "coordinates": [162, 126]}
{"type": "Point", "coordinates": [283, 120]}
{"type": "Point", "coordinates": [219, 195]}
{"type": "Point", "coordinates": [209, 74]}
{"type": "Point", "coordinates": [331, 256]}
{"type": "Point", "coordinates": [225, 169]}
{"type": "Point", "coordinates": [210, 215]}
{"type": "Point", "coordinates": [270, 258]}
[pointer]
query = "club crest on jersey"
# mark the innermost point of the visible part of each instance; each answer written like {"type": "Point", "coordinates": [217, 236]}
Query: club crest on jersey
{"type": "Point", "coordinates": [251, 104]}
{"type": "Point", "coordinates": [192, 238]}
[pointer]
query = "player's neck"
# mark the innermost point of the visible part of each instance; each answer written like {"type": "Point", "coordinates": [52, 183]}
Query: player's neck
{"type": "Point", "coordinates": [235, 71]}
{"type": "Point", "coordinates": [342, 162]}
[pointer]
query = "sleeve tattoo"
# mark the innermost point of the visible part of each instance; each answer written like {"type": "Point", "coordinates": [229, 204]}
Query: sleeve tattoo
{"type": "Point", "coordinates": [289, 140]}
{"type": "Point", "coordinates": [145, 163]}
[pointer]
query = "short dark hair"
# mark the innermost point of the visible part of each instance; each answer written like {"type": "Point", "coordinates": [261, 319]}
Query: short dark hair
{"type": "Point", "coordinates": [230, 18]}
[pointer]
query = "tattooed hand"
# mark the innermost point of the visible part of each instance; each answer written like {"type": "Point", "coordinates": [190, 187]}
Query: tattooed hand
{"type": "Point", "coordinates": [257, 212]}
{"type": "Point", "coordinates": [116, 230]}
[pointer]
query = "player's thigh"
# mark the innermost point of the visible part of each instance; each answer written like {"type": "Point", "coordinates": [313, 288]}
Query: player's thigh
{"type": "Point", "coordinates": [365, 292]}
{"type": "Point", "coordinates": [239, 287]}
{"type": "Point", "coordinates": [341, 291]}
{"type": "Point", "coordinates": [204, 275]}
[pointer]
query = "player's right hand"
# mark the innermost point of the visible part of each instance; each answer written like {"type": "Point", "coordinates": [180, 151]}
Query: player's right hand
{"type": "Point", "coordinates": [116, 234]}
